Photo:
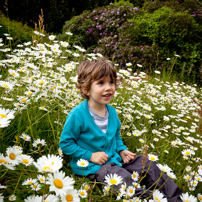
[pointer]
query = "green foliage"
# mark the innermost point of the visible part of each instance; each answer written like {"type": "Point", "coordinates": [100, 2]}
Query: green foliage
{"type": "Point", "coordinates": [102, 22]}
{"type": "Point", "coordinates": [146, 37]}
{"type": "Point", "coordinates": [173, 32]}
{"type": "Point", "coordinates": [19, 32]}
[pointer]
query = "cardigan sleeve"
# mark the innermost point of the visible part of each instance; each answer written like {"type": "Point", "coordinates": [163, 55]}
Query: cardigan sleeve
{"type": "Point", "coordinates": [69, 136]}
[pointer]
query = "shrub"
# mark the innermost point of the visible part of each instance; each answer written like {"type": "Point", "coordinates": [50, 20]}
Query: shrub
{"type": "Point", "coordinates": [90, 27]}
{"type": "Point", "coordinates": [19, 32]}
{"type": "Point", "coordinates": [150, 38]}
{"type": "Point", "coordinates": [173, 32]}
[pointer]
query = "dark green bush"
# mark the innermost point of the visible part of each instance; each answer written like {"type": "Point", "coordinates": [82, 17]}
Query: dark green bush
{"type": "Point", "coordinates": [150, 38]}
{"type": "Point", "coordinates": [173, 32]}
{"type": "Point", "coordinates": [90, 27]}
{"type": "Point", "coordinates": [19, 32]}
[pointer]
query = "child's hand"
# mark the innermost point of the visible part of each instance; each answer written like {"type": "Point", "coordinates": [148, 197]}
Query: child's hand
{"type": "Point", "coordinates": [99, 158]}
{"type": "Point", "coordinates": [127, 155]}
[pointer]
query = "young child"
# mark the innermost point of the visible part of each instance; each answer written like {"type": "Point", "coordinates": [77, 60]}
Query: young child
{"type": "Point", "coordinates": [92, 132]}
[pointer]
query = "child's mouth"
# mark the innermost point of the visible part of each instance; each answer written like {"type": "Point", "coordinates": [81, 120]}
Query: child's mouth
{"type": "Point", "coordinates": [107, 95]}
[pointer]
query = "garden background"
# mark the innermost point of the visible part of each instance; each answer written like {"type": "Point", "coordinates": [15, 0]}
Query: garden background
{"type": "Point", "coordinates": [42, 43]}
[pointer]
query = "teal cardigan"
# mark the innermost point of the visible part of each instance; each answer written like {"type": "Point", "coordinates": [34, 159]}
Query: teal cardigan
{"type": "Point", "coordinates": [81, 137]}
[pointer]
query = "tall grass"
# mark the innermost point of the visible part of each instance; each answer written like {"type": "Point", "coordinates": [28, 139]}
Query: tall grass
{"type": "Point", "coordinates": [159, 116]}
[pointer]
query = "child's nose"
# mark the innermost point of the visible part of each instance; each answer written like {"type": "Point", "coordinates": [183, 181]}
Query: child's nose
{"type": "Point", "coordinates": [107, 86]}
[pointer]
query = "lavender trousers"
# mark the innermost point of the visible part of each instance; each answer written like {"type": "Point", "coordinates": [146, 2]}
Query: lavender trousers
{"type": "Point", "coordinates": [167, 186]}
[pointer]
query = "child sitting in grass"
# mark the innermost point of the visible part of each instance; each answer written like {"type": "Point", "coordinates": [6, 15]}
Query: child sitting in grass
{"type": "Point", "coordinates": [92, 132]}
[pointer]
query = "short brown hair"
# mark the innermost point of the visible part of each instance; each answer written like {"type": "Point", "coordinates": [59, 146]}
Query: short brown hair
{"type": "Point", "coordinates": [93, 70]}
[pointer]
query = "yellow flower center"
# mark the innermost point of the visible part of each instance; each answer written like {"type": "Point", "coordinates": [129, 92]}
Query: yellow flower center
{"type": "Point", "coordinates": [41, 82]}
{"type": "Point", "coordinates": [200, 197]}
{"type": "Point", "coordinates": [82, 193]}
{"type": "Point", "coordinates": [30, 182]}
{"type": "Point", "coordinates": [13, 73]}
{"type": "Point", "coordinates": [23, 100]}
{"type": "Point", "coordinates": [127, 196]}
{"type": "Point", "coordinates": [41, 179]}
{"type": "Point", "coordinates": [3, 116]}
{"type": "Point", "coordinates": [35, 186]}
{"type": "Point", "coordinates": [186, 201]}
{"type": "Point", "coordinates": [187, 153]}
{"type": "Point", "coordinates": [131, 191]}
{"type": "Point", "coordinates": [82, 164]}
{"type": "Point", "coordinates": [29, 93]}
{"type": "Point", "coordinates": [12, 156]}
{"type": "Point", "coordinates": [157, 199]}
{"type": "Point", "coordinates": [86, 187]}
{"type": "Point", "coordinates": [25, 161]}
{"type": "Point", "coordinates": [46, 168]}
{"type": "Point", "coordinates": [134, 175]}
{"type": "Point", "coordinates": [58, 183]}
{"type": "Point", "coordinates": [2, 161]}
{"type": "Point", "coordinates": [152, 158]}
{"type": "Point", "coordinates": [69, 197]}
{"type": "Point", "coordinates": [25, 137]}
{"type": "Point", "coordinates": [113, 181]}
{"type": "Point", "coordinates": [6, 86]}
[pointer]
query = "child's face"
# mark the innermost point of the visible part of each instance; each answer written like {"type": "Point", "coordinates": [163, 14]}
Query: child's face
{"type": "Point", "coordinates": [101, 92]}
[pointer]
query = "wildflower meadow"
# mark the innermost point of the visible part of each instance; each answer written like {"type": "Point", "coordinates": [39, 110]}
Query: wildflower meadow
{"type": "Point", "coordinates": [160, 116]}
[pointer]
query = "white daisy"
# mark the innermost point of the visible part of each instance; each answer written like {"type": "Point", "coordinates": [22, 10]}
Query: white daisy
{"type": "Point", "coordinates": [171, 175]}
{"type": "Point", "coordinates": [136, 199]}
{"type": "Point", "coordinates": [158, 196]}
{"type": "Point", "coordinates": [82, 193]}
{"type": "Point", "coordinates": [165, 168]}
{"type": "Point", "coordinates": [12, 197]}
{"type": "Point", "coordinates": [59, 183]}
{"type": "Point", "coordinates": [188, 152]}
{"type": "Point", "coordinates": [85, 186]}
{"type": "Point", "coordinates": [13, 73]}
{"type": "Point", "coordinates": [106, 189]}
{"type": "Point", "coordinates": [25, 137]}
{"type": "Point", "coordinates": [135, 176]}
{"type": "Point", "coordinates": [41, 178]}
{"type": "Point", "coordinates": [26, 159]}
{"type": "Point", "coordinates": [152, 157]}
{"type": "Point", "coordinates": [35, 186]}
{"type": "Point", "coordinates": [39, 142]}
{"type": "Point", "coordinates": [130, 191]}
{"type": "Point", "coordinates": [82, 163]}
{"type": "Point", "coordinates": [6, 85]}
{"type": "Point", "coordinates": [29, 181]}
{"type": "Point", "coordinates": [13, 155]}
{"type": "Point", "coordinates": [33, 198]}
{"type": "Point", "coordinates": [199, 197]}
{"type": "Point", "coordinates": [51, 163]}
{"type": "Point", "coordinates": [1, 197]}
{"type": "Point", "coordinates": [2, 186]}
{"type": "Point", "coordinates": [60, 152]}
{"type": "Point", "coordinates": [185, 197]}
{"type": "Point", "coordinates": [51, 37]}
{"type": "Point", "coordinates": [6, 113]}
{"type": "Point", "coordinates": [113, 179]}
{"type": "Point", "coordinates": [51, 198]}
{"type": "Point", "coordinates": [69, 33]}
{"type": "Point", "coordinates": [4, 123]}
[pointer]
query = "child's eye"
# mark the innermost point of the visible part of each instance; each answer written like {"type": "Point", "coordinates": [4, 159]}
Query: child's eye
{"type": "Point", "coordinates": [100, 83]}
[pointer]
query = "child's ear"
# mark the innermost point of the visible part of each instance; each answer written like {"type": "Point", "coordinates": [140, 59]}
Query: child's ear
{"type": "Point", "coordinates": [85, 91]}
